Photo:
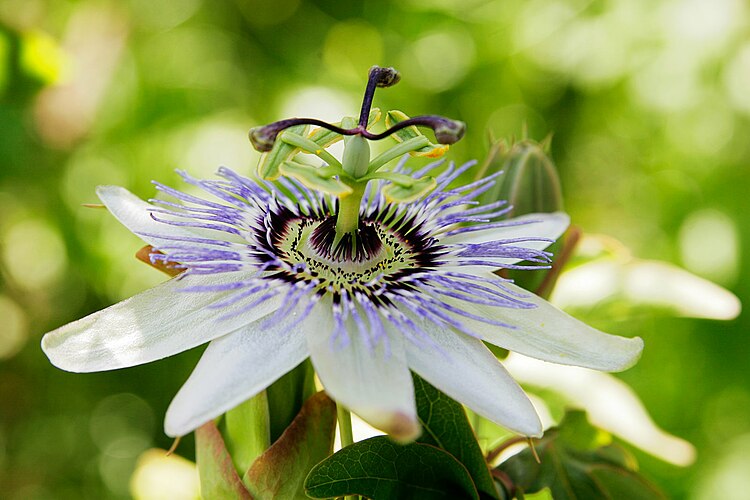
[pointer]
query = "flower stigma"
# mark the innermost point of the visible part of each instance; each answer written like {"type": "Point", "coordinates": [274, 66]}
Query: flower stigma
{"type": "Point", "coordinates": [356, 168]}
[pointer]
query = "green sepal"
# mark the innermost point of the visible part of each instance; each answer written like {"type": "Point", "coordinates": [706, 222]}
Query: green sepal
{"type": "Point", "coordinates": [324, 137]}
{"type": "Point", "coordinates": [269, 165]}
{"type": "Point", "coordinates": [314, 178]}
{"type": "Point", "coordinates": [218, 477]}
{"type": "Point", "coordinates": [431, 150]}
{"type": "Point", "coordinates": [381, 469]}
{"type": "Point", "coordinates": [281, 471]}
{"type": "Point", "coordinates": [396, 193]}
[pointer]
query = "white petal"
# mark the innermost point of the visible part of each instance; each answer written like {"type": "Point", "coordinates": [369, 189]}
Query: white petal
{"type": "Point", "coordinates": [547, 333]}
{"type": "Point", "coordinates": [157, 323]}
{"type": "Point", "coordinates": [645, 283]}
{"type": "Point", "coordinates": [233, 369]}
{"type": "Point", "coordinates": [609, 403]}
{"type": "Point", "coordinates": [469, 373]}
{"type": "Point", "coordinates": [541, 225]}
{"type": "Point", "coordinates": [135, 214]}
{"type": "Point", "coordinates": [374, 384]}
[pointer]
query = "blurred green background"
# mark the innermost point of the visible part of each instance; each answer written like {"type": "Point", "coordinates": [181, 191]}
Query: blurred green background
{"type": "Point", "coordinates": [648, 102]}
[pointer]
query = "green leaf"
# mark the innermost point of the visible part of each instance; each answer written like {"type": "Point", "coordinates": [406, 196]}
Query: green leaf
{"type": "Point", "coordinates": [396, 193]}
{"type": "Point", "coordinates": [219, 478]}
{"type": "Point", "coordinates": [379, 469]}
{"type": "Point", "coordinates": [280, 472]}
{"type": "Point", "coordinates": [621, 483]}
{"type": "Point", "coordinates": [431, 150]}
{"type": "Point", "coordinates": [311, 177]}
{"type": "Point", "coordinates": [446, 426]}
{"type": "Point", "coordinates": [268, 168]}
{"type": "Point", "coordinates": [577, 463]}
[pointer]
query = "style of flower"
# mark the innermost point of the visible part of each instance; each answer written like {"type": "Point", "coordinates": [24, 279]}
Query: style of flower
{"type": "Point", "coordinates": [398, 278]}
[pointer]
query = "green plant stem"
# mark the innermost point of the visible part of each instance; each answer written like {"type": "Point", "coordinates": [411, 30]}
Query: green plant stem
{"type": "Point", "coordinates": [345, 432]}
{"type": "Point", "coordinates": [345, 425]}
{"type": "Point", "coordinates": [248, 431]}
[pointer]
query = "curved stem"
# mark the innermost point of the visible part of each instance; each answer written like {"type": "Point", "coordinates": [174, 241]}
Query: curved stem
{"type": "Point", "coordinates": [364, 112]}
{"type": "Point", "coordinates": [429, 121]}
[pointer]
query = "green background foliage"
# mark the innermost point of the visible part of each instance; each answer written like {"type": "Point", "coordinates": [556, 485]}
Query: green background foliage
{"type": "Point", "coordinates": [647, 101]}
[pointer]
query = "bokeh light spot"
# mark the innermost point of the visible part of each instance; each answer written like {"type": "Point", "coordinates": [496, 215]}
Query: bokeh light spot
{"type": "Point", "coordinates": [737, 79]}
{"type": "Point", "coordinates": [121, 416]}
{"type": "Point", "coordinates": [725, 414]}
{"type": "Point", "coordinates": [350, 48]}
{"type": "Point", "coordinates": [668, 82]}
{"type": "Point", "coordinates": [42, 57]}
{"type": "Point", "coordinates": [158, 476]}
{"type": "Point", "coordinates": [83, 173]}
{"type": "Point", "coordinates": [439, 60]}
{"type": "Point", "coordinates": [14, 331]}
{"type": "Point", "coordinates": [201, 148]}
{"type": "Point", "coordinates": [263, 13]}
{"type": "Point", "coordinates": [727, 476]}
{"type": "Point", "coordinates": [163, 15]}
{"type": "Point", "coordinates": [4, 62]}
{"type": "Point", "coordinates": [34, 254]}
{"type": "Point", "coordinates": [318, 102]}
{"type": "Point", "coordinates": [702, 21]}
{"type": "Point", "coordinates": [709, 245]}
{"type": "Point", "coordinates": [704, 130]}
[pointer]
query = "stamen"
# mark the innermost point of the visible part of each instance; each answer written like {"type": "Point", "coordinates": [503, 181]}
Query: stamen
{"type": "Point", "coordinates": [446, 131]}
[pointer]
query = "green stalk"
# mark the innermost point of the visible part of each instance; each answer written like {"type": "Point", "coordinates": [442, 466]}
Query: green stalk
{"type": "Point", "coordinates": [346, 434]}
{"type": "Point", "coordinates": [248, 431]}
{"type": "Point", "coordinates": [347, 218]}
{"type": "Point", "coordinates": [345, 425]}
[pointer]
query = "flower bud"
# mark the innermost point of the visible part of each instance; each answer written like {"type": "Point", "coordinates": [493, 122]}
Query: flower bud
{"type": "Point", "coordinates": [530, 182]}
